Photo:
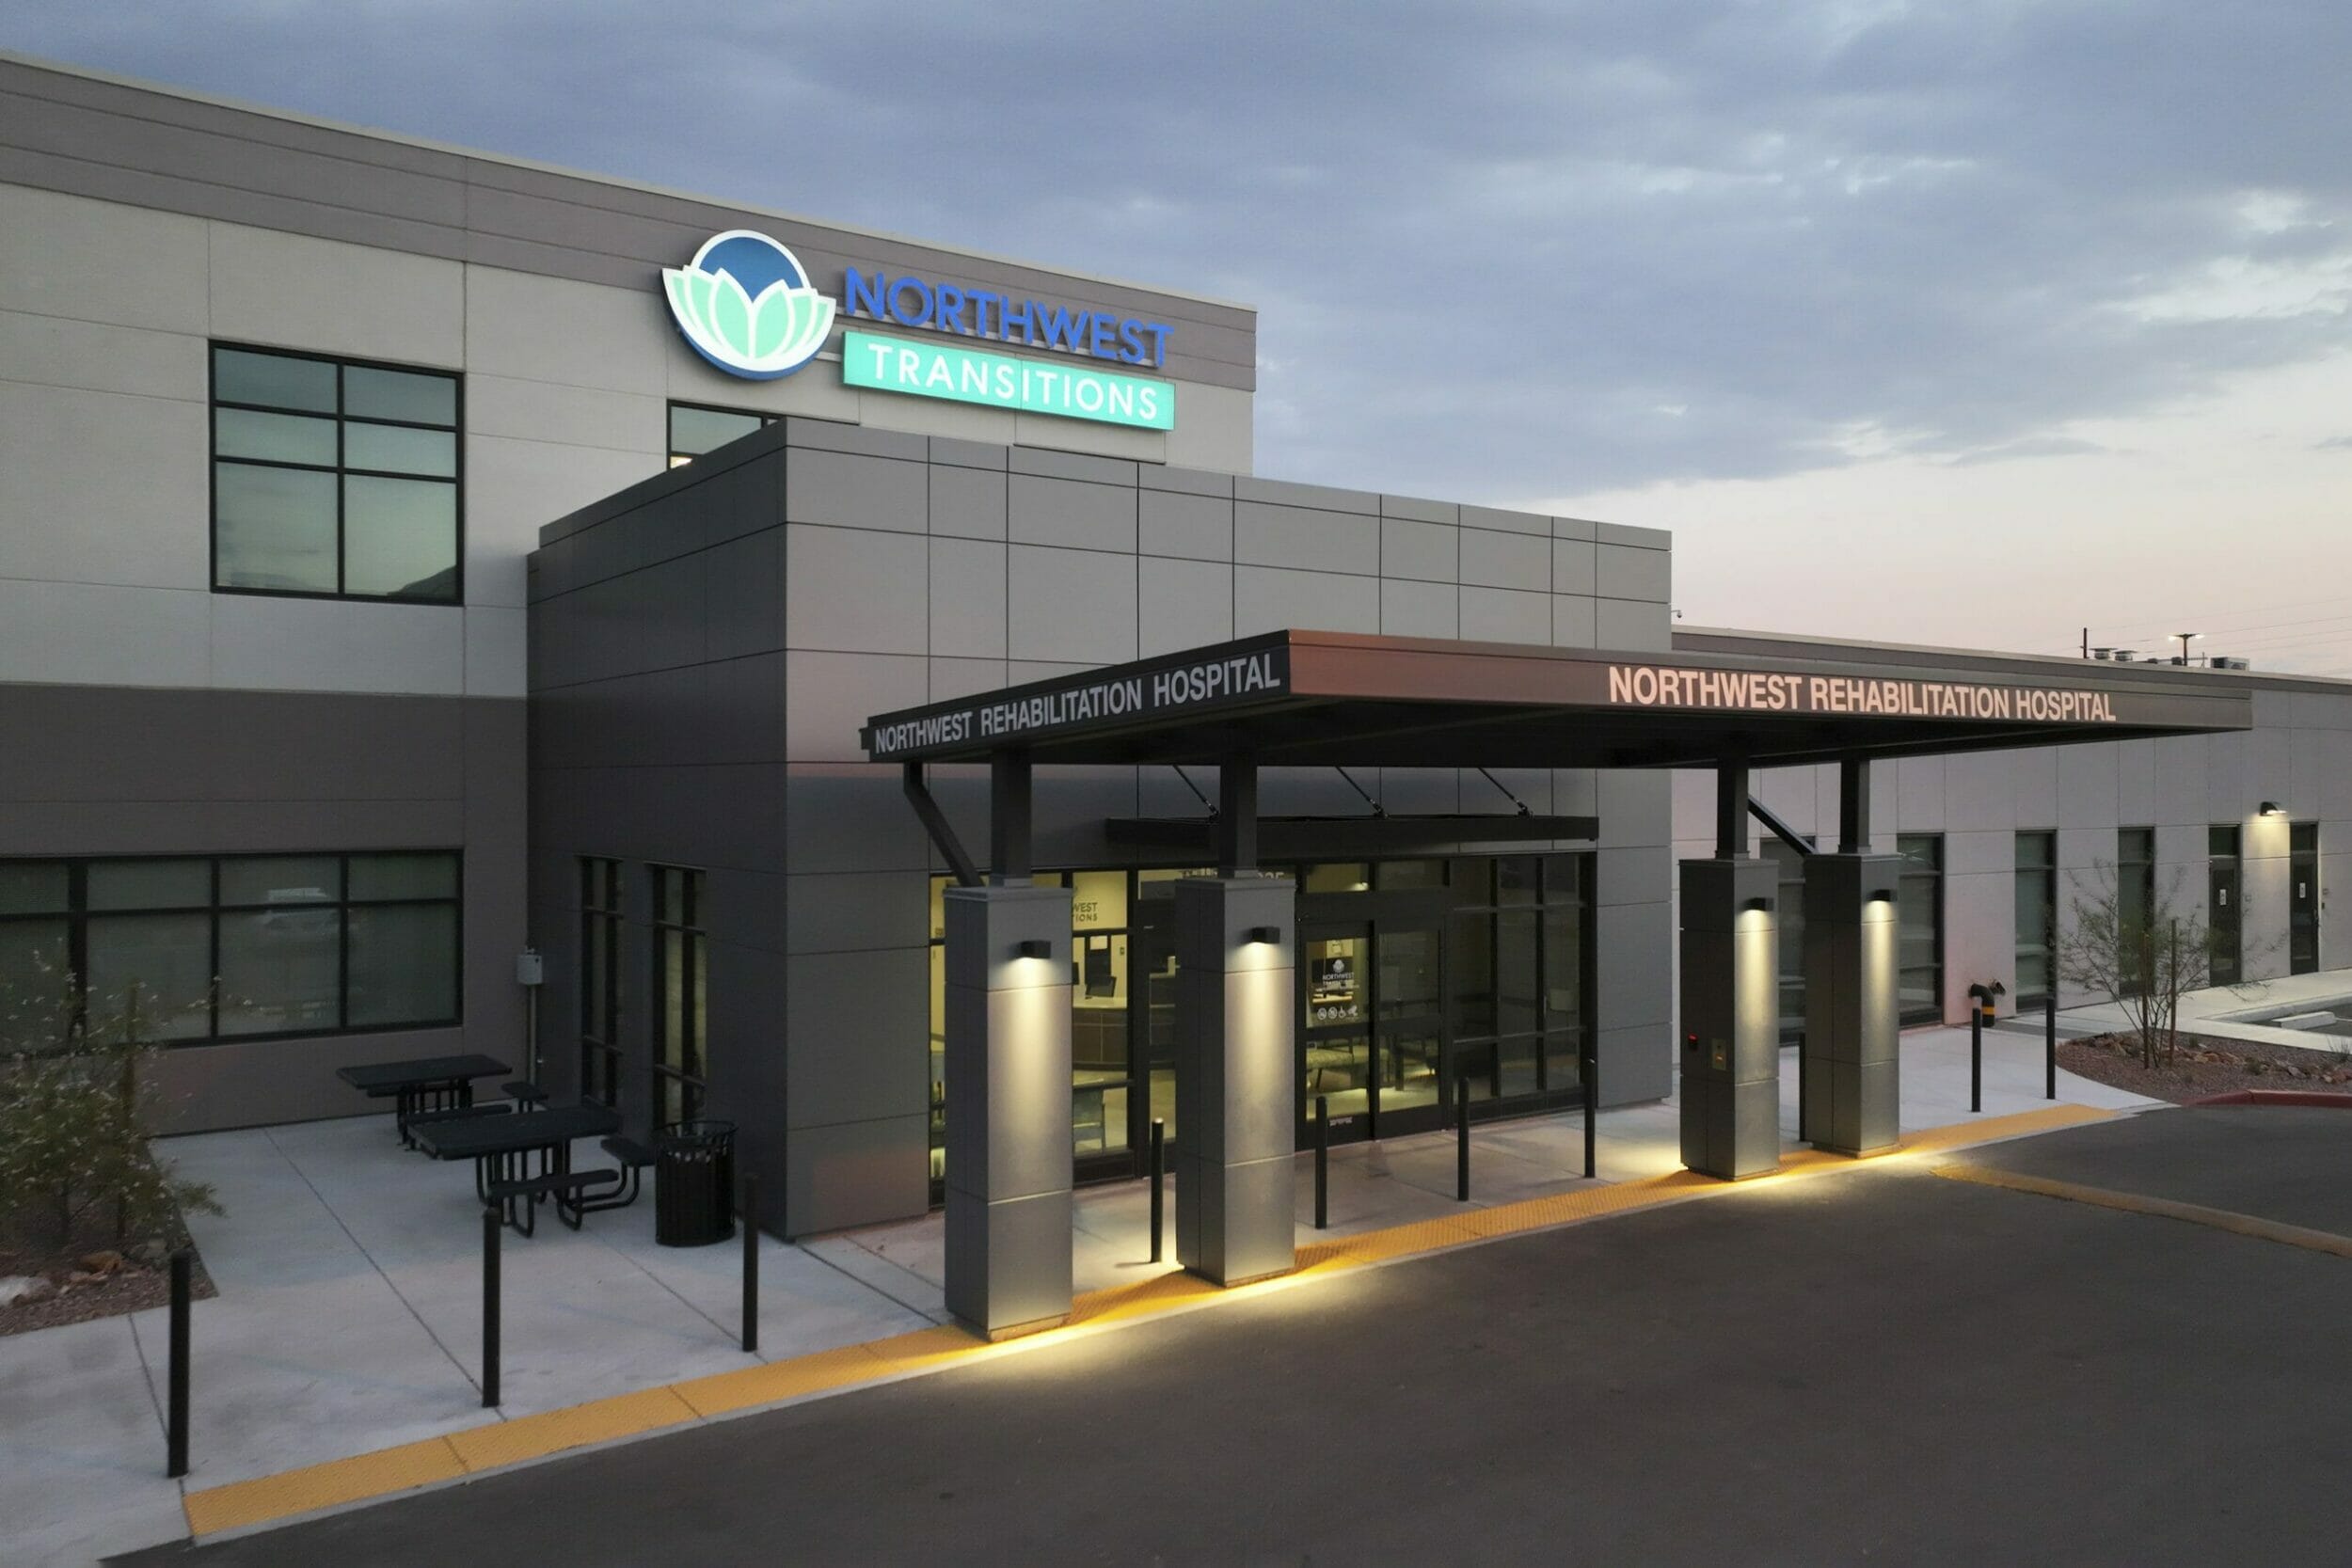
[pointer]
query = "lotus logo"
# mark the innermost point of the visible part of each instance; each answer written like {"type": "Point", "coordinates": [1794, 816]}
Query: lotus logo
{"type": "Point", "coordinates": [745, 304]}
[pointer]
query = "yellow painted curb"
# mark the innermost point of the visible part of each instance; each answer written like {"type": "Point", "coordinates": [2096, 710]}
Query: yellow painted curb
{"type": "Point", "coordinates": [2163, 1208]}
{"type": "Point", "coordinates": [317, 1486]}
{"type": "Point", "coordinates": [575, 1426]}
{"type": "Point", "coordinates": [494, 1445]}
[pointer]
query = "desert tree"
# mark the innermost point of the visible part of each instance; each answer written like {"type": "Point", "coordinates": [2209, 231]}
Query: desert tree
{"type": "Point", "coordinates": [2140, 947]}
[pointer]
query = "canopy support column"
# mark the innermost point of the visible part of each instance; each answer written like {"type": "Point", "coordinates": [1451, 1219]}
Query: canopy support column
{"type": "Point", "coordinates": [1853, 1082]}
{"type": "Point", "coordinates": [1008, 1069]}
{"type": "Point", "coordinates": [1236, 1056]}
{"type": "Point", "coordinates": [1730, 998]}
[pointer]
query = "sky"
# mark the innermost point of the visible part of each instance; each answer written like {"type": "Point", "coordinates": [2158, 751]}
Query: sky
{"type": "Point", "coordinates": [1976, 323]}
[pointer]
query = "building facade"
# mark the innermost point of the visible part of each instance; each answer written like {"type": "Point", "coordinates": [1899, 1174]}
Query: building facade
{"type": "Point", "coordinates": [2243, 833]}
{"type": "Point", "coordinates": [393, 584]}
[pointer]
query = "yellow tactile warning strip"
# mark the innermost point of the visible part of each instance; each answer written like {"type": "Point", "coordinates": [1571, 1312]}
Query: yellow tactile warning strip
{"type": "Point", "coordinates": [2165, 1208]}
{"type": "Point", "coordinates": [247, 1503]}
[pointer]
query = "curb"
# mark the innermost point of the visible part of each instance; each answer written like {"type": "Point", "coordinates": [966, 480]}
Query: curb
{"type": "Point", "coordinates": [2276, 1097]}
{"type": "Point", "coordinates": [2227, 1220]}
{"type": "Point", "coordinates": [240, 1506]}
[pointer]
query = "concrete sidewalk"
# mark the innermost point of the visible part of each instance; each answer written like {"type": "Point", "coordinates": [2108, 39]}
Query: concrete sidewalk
{"type": "Point", "coordinates": [349, 1271]}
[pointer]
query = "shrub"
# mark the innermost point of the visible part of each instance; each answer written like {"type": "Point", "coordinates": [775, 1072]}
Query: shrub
{"type": "Point", "coordinates": [76, 1085]}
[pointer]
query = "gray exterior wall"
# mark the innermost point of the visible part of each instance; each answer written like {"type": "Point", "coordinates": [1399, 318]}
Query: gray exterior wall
{"type": "Point", "coordinates": [140, 712]}
{"type": "Point", "coordinates": [2298, 754]}
{"type": "Point", "coordinates": [705, 644]}
{"type": "Point", "coordinates": [114, 772]}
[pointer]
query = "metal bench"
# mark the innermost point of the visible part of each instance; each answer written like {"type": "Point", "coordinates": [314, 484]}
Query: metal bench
{"type": "Point", "coordinates": [628, 1181]}
{"type": "Point", "coordinates": [566, 1188]}
{"type": "Point", "coordinates": [456, 1112]}
{"type": "Point", "coordinates": [525, 1094]}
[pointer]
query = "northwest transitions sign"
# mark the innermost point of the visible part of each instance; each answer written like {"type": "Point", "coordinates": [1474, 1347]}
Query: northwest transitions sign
{"type": "Point", "coordinates": [1771, 691]}
{"type": "Point", "coordinates": [1002, 381]}
{"type": "Point", "coordinates": [745, 304]}
{"type": "Point", "coordinates": [1142, 694]}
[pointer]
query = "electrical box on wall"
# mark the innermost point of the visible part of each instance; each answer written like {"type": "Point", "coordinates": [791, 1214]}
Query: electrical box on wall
{"type": "Point", "coordinates": [529, 967]}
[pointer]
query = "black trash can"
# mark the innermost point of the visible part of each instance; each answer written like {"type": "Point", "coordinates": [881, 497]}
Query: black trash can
{"type": "Point", "coordinates": [693, 1183]}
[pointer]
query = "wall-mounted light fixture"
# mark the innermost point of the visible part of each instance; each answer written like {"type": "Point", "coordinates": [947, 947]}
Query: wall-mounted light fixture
{"type": "Point", "coordinates": [1036, 947]}
{"type": "Point", "coordinates": [1265, 934]}
{"type": "Point", "coordinates": [2271, 808]}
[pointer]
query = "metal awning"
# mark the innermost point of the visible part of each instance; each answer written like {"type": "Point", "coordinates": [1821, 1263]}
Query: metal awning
{"type": "Point", "coordinates": [1334, 699]}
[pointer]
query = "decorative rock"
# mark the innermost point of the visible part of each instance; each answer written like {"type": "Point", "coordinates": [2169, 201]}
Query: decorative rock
{"type": "Point", "coordinates": [24, 1288]}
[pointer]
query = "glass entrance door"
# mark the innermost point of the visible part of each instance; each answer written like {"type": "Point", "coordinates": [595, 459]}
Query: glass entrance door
{"type": "Point", "coordinates": [1371, 1036]}
{"type": "Point", "coordinates": [1335, 1033]}
{"type": "Point", "coordinates": [2221, 905]}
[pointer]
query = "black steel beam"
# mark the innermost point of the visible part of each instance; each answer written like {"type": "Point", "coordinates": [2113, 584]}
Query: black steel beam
{"type": "Point", "coordinates": [936, 824]}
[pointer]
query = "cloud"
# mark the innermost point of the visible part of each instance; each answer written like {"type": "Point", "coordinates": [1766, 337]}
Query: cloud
{"type": "Point", "coordinates": [1501, 248]}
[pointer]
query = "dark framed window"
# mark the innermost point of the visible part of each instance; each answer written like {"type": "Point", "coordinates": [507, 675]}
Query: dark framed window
{"type": "Point", "coordinates": [600, 912]}
{"type": "Point", "coordinates": [243, 946]}
{"type": "Point", "coordinates": [697, 428]}
{"type": "Point", "coordinates": [2224, 888]}
{"type": "Point", "coordinates": [336, 477]}
{"type": "Point", "coordinates": [2036, 916]}
{"type": "Point", "coordinates": [2302, 898]}
{"type": "Point", "coordinates": [1919, 931]}
{"type": "Point", "coordinates": [1788, 875]}
{"type": "Point", "coordinates": [2134, 894]}
{"type": "Point", "coordinates": [681, 995]}
{"type": "Point", "coordinates": [1517, 958]}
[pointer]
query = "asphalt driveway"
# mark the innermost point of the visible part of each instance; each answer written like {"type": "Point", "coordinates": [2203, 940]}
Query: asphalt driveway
{"type": "Point", "coordinates": [1884, 1366]}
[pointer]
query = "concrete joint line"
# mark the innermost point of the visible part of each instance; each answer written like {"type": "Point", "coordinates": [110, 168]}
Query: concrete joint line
{"type": "Point", "coordinates": [2163, 1208]}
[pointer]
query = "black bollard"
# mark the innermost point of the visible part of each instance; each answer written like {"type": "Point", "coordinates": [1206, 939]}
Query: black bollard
{"type": "Point", "coordinates": [491, 1223]}
{"type": "Point", "coordinates": [1159, 1171]}
{"type": "Point", "coordinates": [1323, 1162]}
{"type": "Point", "coordinates": [2049, 1045]}
{"type": "Point", "coordinates": [751, 1263]}
{"type": "Point", "coordinates": [176, 1435]}
{"type": "Point", "coordinates": [1975, 1057]}
{"type": "Point", "coordinates": [1591, 1111]}
{"type": "Point", "coordinates": [1461, 1139]}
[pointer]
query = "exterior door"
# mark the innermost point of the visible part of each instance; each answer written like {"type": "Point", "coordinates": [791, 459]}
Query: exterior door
{"type": "Point", "coordinates": [1335, 1036]}
{"type": "Point", "coordinates": [1372, 1031]}
{"type": "Point", "coordinates": [2303, 898]}
{"type": "Point", "coordinates": [2222, 903]}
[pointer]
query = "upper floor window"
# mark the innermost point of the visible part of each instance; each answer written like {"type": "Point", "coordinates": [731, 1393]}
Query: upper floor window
{"type": "Point", "coordinates": [696, 429]}
{"type": "Point", "coordinates": [334, 477]}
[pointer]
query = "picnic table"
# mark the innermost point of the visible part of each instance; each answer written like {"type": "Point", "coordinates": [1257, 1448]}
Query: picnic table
{"type": "Point", "coordinates": [427, 1085]}
{"type": "Point", "coordinates": [503, 1150]}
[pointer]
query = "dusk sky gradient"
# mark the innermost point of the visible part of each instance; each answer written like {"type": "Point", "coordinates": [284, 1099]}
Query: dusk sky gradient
{"type": "Point", "coordinates": [1937, 323]}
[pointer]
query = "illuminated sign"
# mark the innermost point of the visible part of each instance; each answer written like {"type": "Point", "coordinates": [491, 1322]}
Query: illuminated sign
{"type": "Point", "coordinates": [745, 304]}
{"type": "Point", "coordinates": [913, 301]}
{"type": "Point", "coordinates": [1001, 381]}
{"type": "Point", "coordinates": [1770, 691]}
{"type": "Point", "coordinates": [1071, 704]}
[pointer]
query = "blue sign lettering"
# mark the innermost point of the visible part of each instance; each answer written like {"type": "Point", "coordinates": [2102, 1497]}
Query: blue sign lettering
{"type": "Point", "coordinates": [913, 301]}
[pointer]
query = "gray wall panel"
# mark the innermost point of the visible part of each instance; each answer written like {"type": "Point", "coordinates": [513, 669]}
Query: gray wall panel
{"type": "Point", "coordinates": [163, 149]}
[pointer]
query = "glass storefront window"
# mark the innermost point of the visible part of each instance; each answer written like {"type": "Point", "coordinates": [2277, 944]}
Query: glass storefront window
{"type": "Point", "coordinates": [2036, 911]}
{"type": "Point", "coordinates": [1337, 877]}
{"type": "Point", "coordinates": [1919, 931]}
